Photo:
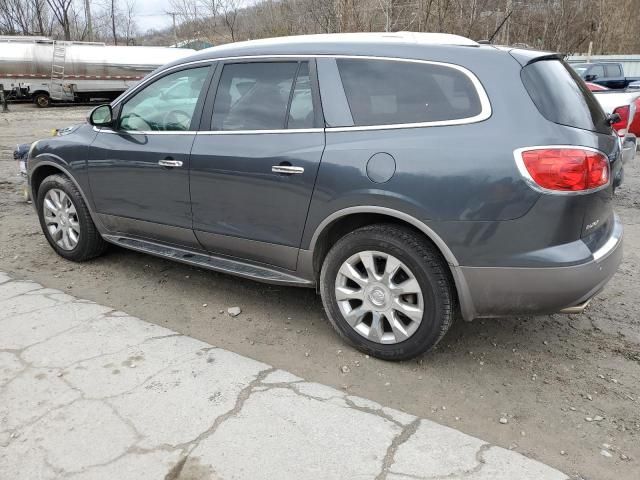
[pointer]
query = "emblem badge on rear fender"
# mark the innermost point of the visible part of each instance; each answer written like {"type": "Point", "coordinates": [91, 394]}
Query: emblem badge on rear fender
{"type": "Point", "coordinates": [592, 225]}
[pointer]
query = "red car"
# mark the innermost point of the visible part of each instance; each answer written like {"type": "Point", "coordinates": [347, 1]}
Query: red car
{"type": "Point", "coordinates": [594, 87]}
{"type": "Point", "coordinates": [634, 127]}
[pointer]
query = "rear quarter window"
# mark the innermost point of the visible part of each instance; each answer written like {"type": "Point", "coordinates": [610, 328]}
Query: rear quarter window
{"type": "Point", "coordinates": [385, 92]}
{"type": "Point", "coordinates": [562, 97]}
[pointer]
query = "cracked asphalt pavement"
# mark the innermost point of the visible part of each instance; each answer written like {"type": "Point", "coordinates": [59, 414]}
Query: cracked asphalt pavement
{"type": "Point", "coordinates": [89, 392]}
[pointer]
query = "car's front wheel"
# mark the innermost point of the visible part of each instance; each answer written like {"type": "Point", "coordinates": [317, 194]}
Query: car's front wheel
{"type": "Point", "coordinates": [387, 291]}
{"type": "Point", "coordinates": [65, 220]}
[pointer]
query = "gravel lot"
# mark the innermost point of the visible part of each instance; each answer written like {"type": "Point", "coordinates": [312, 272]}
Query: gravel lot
{"type": "Point", "coordinates": [569, 386]}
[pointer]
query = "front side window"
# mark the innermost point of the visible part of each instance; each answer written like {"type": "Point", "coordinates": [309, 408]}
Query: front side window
{"type": "Point", "coordinates": [384, 92]}
{"type": "Point", "coordinates": [168, 104]}
{"type": "Point", "coordinates": [263, 96]}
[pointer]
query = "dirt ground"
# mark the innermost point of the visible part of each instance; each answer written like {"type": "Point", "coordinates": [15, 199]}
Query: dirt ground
{"type": "Point", "coordinates": [569, 385]}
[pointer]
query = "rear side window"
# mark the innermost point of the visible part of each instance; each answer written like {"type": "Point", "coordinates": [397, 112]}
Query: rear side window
{"type": "Point", "coordinates": [384, 92]}
{"type": "Point", "coordinates": [263, 96]}
{"type": "Point", "coordinates": [597, 71]}
{"type": "Point", "coordinates": [613, 70]}
{"type": "Point", "coordinates": [562, 97]}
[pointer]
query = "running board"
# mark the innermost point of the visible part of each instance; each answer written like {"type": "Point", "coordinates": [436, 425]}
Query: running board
{"type": "Point", "coordinates": [210, 262]}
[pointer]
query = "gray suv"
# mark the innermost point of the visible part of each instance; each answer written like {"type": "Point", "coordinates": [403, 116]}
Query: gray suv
{"type": "Point", "coordinates": [407, 177]}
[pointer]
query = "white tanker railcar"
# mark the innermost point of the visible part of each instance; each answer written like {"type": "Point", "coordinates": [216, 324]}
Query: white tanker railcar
{"type": "Point", "coordinates": [46, 70]}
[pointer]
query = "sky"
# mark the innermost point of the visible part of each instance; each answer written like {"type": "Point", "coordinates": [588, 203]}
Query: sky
{"type": "Point", "coordinates": [151, 14]}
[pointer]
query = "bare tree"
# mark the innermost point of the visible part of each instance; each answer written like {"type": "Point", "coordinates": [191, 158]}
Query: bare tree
{"type": "Point", "coordinates": [60, 10]}
{"type": "Point", "coordinates": [129, 27]}
{"type": "Point", "coordinates": [567, 26]}
{"type": "Point", "coordinates": [229, 11]}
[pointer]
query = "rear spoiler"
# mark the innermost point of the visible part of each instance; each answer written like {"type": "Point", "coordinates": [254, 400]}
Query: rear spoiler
{"type": "Point", "coordinates": [527, 57]}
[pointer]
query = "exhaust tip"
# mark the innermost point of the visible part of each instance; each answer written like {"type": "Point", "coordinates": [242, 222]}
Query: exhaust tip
{"type": "Point", "coordinates": [576, 308]}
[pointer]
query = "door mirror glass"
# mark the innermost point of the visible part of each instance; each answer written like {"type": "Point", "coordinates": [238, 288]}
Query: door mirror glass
{"type": "Point", "coordinates": [101, 116]}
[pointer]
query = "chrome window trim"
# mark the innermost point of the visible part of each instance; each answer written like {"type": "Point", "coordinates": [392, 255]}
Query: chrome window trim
{"type": "Point", "coordinates": [485, 104]}
{"type": "Point", "coordinates": [209, 132]}
{"type": "Point", "coordinates": [517, 155]}
{"type": "Point", "coordinates": [260, 132]}
{"type": "Point", "coordinates": [145, 132]}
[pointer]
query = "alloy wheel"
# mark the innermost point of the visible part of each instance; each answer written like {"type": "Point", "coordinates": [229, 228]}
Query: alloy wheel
{"type": "Point", "coordinates": [61, 219]}
{"type": "Point", "coordinates": [379, 297]}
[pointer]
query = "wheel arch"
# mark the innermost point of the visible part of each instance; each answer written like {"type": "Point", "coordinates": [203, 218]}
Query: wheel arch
{"type": "Point", "coordinates": [46, 168]}
{"type": "Point", "coordinates": [346, 220]}
{"type": "Point", "coordinates": [40, 91]}
{"type": "Point", "coordinates": [42, 171]}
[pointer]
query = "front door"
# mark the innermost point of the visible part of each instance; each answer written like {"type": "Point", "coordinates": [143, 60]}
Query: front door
{"type": "Point", "coordinates": [139, 171]}
{"type": "Point", "coordinates": [254, 164]}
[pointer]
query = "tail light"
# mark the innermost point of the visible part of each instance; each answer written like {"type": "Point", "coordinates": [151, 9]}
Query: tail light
{"type": "Point", "coordinates": [564, 169]}
{"type": "Point", "coordinates": [621, 125]}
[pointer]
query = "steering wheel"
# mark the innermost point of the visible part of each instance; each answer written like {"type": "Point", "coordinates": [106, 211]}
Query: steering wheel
{"type": "Point", "coordinates": [146, 124]}
{"type": "Point", "coordinates": [176, 118]}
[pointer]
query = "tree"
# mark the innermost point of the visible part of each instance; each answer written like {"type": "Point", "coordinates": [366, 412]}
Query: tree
{"type": "Point", "coordinates": [60, 10]}
{"type": "Point", "coordinates": [113, 22]}
{"type": "Point", "coordinates": [229, 10]}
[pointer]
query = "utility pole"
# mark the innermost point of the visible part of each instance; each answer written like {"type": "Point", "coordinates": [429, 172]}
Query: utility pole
{"type": "Point", "coordinates": [175, 31]}
{"type": "Point", "coordinates": [508, 11]}
{"type": "Point", "coordinates": [113, 22]}
{"type": "Point", "coordinates": [87, 13]}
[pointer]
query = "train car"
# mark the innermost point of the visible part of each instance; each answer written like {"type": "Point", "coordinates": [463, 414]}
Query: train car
{"type": "Point", "coordinates": [46, 70]}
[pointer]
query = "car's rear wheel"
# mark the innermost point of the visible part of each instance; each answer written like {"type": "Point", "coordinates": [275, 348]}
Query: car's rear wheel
{"type": "Point", "coordinates": [387, 291]}
{"type": "Point", "coordinates": [42, 100]}
{"type": "Point", "coordinates": [65, 220]}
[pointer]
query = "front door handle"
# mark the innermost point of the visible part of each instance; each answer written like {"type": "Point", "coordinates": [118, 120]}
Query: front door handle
{"type": "Point", "coordinates": [287, 169]}
{"type": "Point", "coordinates": [169, 163]}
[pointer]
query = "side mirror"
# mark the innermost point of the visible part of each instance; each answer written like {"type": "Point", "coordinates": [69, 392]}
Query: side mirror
{"type": "Point", "coordinates": [614, 118]}
{"type": "Point", "coordinates": [590, 77]}
{"type": "Point", "coordinates": [101, 116]}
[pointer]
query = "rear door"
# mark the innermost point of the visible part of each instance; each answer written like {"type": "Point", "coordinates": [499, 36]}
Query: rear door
{"type": "Point", "coordinates": [255, 160]}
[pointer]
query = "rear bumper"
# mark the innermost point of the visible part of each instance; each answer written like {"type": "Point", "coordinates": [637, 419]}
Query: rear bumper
{"type": "Point", "coordinates": [505, 291]}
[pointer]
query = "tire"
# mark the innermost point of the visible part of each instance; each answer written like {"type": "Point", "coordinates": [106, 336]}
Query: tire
{"type": "Point", "coordinates": [89, 242]}
{"type": "Point", "coordinates": [42, 100]}
{"type": "Point", "coordinates": [413, 258]}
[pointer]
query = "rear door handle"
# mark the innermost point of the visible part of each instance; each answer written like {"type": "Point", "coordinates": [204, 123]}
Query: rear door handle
{"type": "Point", "coordinates": [287, 169]}
{"type": "Point", "coordinates": [170, 163]}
